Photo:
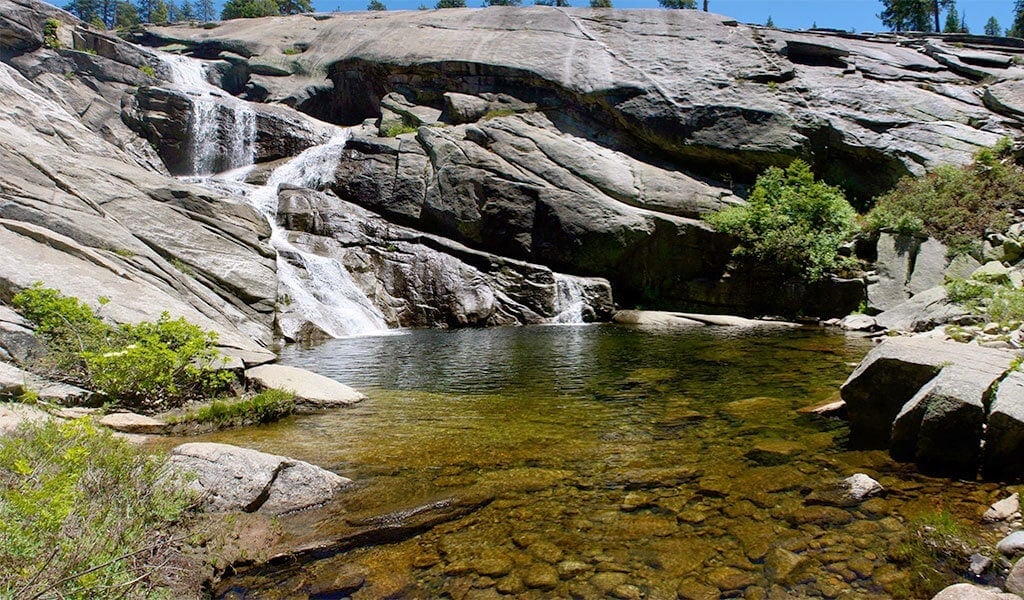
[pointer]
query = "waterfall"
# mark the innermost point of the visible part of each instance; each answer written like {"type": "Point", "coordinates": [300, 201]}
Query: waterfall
{"type": "Point", "coordinates": [222, 127]}
{"type": "Point", "coordinates": [327, 296]}
{"type": "Point", "coordinates": [223, 130]}
{"type": "Point", "coordinates": [570, 300]}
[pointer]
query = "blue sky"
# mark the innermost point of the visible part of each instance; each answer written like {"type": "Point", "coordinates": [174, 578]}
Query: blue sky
{"type": "Point", "coordinates": [793, 14]}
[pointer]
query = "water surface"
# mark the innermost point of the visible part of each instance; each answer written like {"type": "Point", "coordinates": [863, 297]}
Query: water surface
{"type": "Point", "coordinates": [625, 463]}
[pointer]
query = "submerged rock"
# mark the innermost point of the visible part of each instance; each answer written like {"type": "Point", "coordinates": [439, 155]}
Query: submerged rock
{"type": "Point", "coordinates": [232, 478]}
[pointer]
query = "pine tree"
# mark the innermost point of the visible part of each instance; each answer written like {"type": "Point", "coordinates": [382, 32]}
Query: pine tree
{"type": "Point", "coordinates": [186, 12]}
{"type": "Point", "coordinates": [125, 16]}
{"type": "Point", "coordinates": [678, 3]}
{"type": "Point", "coordinates": [294, 7]}
{"type": "Point", "coordinates": [952, 21]}
{"type": "Point", "coordinates": [161, 13]}
{"type": "Point", "coordinates": [376, 5]}
{"type": "Point", "coordinates": [450, 4]}
{"type": "Point", "coordinates": [769, 23]}
{"type": "Point", "coordinates": [600, 3]}
{"type": "Point", "coordinates": [501, 3]}
{"type": "Point", "coordinates": [1017, 29]}
{"type": "Point", "coordinates": [206, 10]}
{"type": "Point", "coordinates": [908, 15]}
{"type": "Point", "coordinates": [992, 27]}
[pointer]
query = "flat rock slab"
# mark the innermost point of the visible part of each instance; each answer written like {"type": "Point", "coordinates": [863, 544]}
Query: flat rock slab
{"type": "Point", "coordinates": [312, 391]}
{"type": "Point", "coordinates": [15, 381]}
{"type": "Point", "coordinates": [657, 318]}
{"type": "Point", "coordinates": [127, 422]}
{"type": "Point", "coordinates": [239, 479]}
{"type": "Point", "coordinates": [12, 415]}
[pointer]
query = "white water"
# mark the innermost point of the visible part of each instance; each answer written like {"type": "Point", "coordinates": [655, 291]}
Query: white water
{"type": "Point", "coordinates": [222, 127]}
{"type": "Point", "coordinates": [315, 288]}
{"type": "Point", "coordinates": [570, 300]}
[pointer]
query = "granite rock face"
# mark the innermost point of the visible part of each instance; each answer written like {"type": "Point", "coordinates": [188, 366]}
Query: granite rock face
{"type": "Point", "coordinates": [603, 165]}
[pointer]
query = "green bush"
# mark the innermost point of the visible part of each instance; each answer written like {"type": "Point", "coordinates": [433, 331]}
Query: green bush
{"type": "Point", "coordinates": [149, 365]}
{"type": "Point", "coordinates": [50, 39]}
{"type": "Point", "coordinates": [998, 301]}
{"type": "Point", "coordinates": [955, 205]}
{"type": "Point", "coordinates": [83, 515]}
{"type": "Point", "coordinates": [266, 407]}
{"type": "Point", "coordinates": [791, 223]}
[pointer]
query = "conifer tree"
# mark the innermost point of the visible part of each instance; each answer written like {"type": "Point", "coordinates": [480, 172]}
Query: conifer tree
{"type": "Point", "coordinates": [992, 27]}
{"type": "Point", "coordinates": [678, 3]}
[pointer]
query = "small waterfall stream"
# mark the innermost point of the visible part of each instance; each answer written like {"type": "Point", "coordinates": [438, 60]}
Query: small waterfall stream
{"type": "Point", "coordinates": [570, 300]}
{"type": "Point", "coordinates": [222, 127]}
{"type": "Point", "coordinates": [315, 288]}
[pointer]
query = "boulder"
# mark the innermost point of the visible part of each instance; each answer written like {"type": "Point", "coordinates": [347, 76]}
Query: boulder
{"type": "Point", "coordinates": [1015, 579]}
{"type": "Point", "coordinates": [925, 311]}
{"type": "Point", "coordinates": [312, 391]}
{"type": "Point", "coordinates": [847, 492]}
{"type": "Point", "coordinates": [896, 370]}
{"type": "Point", "coordinates": [858, 323]}
{"type": "Point", "coordinates": [970, 591]}
{"type": "Point", "coordinates": [15, 381]}
{"type": "Point", "coordinates": [894, 265]}
{"type": "Point", "coordinates": [12, 415]}
{"type": "Point", "coordinates": [1004, 509]}
{"type": "Point", "coordinates": [1012, 544]}
{"type": "Point", "coordinates": [941, 426]}
{"type": "Point", "coordinates": [784, 567]}
{"type": "Point", "coordinates": [239, 479]}
{"type": "Point", "coordinates": [1004, 436]}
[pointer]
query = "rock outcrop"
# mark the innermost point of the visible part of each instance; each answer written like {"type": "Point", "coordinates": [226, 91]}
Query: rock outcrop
{"type": "Point", "coordinates": [935, 402]}
{"type": "Point", "coordinates": [604, 165]}
{"type": "Point", "coordinates": [238, 479]}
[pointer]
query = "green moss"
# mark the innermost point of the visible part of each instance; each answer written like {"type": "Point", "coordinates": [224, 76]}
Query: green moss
{"type": "Point", "coordinates": [498, 112]}
{"type": "Point", "coordinates": [291, 51]}
{"type": "Point", "coordinates": [400, 128]}
{"type": "Point", "coordinates": [148, 70]}
{"type": "Point", "coordinates": [83, 514]}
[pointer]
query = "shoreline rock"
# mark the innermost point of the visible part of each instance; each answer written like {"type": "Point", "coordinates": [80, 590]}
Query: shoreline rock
{"type": "Point", "coordinates": [312, 391]}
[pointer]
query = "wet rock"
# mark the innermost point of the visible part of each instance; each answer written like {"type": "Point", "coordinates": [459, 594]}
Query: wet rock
{"type": "Point", "coordinates": [730, 578]}
{"type": "Point", "coordinates": [312, 391]}
{"type": "Point", "coordinates": [627, 592]}
{"type": "Point", "coordinates": [1012, 544]}
{"type": "Point", "coordinates": [694, 590]}
{"type": "Point", "coordinates": [340, 585]}
{"type": "Point", "coordinates": [492, 565]}
{"type": "Point", "coordinates": [132, 423]}
{"type": "Point", "coordinates": [607, 582]}
{"type": "Point", "coordinates": [979, 564]}
{"type": "Point", "coordinates": [785, 567]}
{"type": "Point", "coordinates": [1015, 579]}
{"type": "Point", "coordinates": [568, 569]}
{"type": "Point", "coordinates": [1003, 509]}
{"type": "Point", "coordinates": [232, 478]}
{"type": "Point", "coordinates": [646, 479]}
{"type": "Point", "coordinates": [845, 492]}
{"type": "Point", "coordinates": [539, 575]}
{"type": "Point", "coordinates": [513, 584]}
{"type": "Point", "coordinates": [774, 452]}
{"type": "Point", "coordinates": [824, 516]}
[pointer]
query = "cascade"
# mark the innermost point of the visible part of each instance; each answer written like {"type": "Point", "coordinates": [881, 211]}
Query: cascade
{"type": "Point", "coordinates": [223, 129]}
{"type": "Point", "coordinates": [570, 300]}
